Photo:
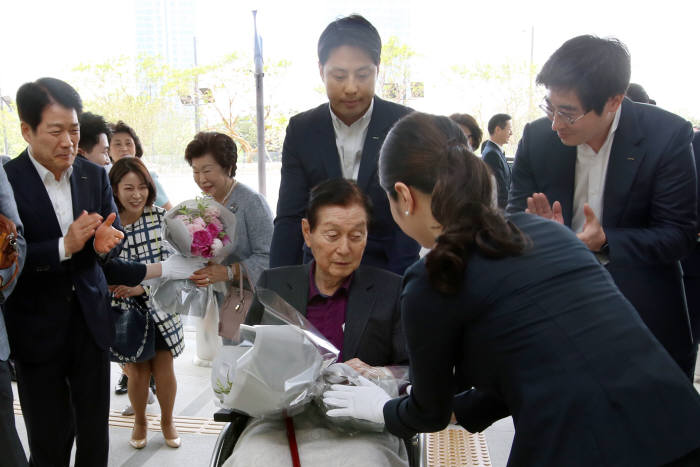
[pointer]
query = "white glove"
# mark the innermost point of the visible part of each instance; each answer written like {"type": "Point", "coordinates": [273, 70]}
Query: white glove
{"type": "Point", "coordinates": [365, 402]}
{"type": "Point", "coordinates": [179, 267]}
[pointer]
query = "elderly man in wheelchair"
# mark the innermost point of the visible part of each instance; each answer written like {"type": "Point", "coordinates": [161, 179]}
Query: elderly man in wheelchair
{"type": "Point", "coordinates": [356, 309]}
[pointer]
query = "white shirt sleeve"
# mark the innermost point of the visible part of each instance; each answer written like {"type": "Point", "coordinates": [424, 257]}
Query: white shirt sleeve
{"type": "Point", "coordinates": [62, 256]}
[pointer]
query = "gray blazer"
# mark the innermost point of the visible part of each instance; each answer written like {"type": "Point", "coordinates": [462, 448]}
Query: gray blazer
{"type": "Point", "coordinates": [9, 209]}
{"type": "Point", "coordinates": [253, 230]}
{"type": "Point", "coordinates": [373, 331]}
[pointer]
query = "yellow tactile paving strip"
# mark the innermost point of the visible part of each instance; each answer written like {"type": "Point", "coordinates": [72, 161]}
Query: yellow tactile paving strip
{"type": "Point", "coordinates": [190, 425]}
{"type": "Point", "coordinates": [454, 446]}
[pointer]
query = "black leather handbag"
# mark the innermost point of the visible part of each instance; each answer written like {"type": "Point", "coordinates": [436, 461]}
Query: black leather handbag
{"type": "Point", "coordinates": [135, 338]}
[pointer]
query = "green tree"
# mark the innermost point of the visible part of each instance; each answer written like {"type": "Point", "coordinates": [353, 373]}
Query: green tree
{"type": "Point", "coordinates": [143, 92]}
{"type": "Point", "coordinates": [233, 110]}
{"type": "Point", "coordinates": [486, 89]}
{"type": "Point", "coordinates": [395, 70]}
{"type": "Point", "coordinates": [10, 131]}
{"type": "Point", "coordinates": [156, 100]}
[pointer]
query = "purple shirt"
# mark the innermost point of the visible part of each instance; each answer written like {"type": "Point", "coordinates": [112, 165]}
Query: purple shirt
{"type": "Point", "coordinates": [327, 313]}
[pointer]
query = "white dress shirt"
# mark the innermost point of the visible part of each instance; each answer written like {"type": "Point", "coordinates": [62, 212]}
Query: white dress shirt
{"type": "Point", "coordinates": [591, 169]}
{"type": "Point", "coordinates": [61, 199]}
{"type": "Point", "coordinates": [350, 140]}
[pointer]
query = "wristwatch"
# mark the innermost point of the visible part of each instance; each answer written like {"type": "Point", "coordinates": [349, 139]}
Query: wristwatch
{"type": "Point", "coordinates": [603, 255]}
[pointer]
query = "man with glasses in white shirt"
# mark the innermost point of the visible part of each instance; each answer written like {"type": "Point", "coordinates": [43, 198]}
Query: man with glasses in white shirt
{"type": "Point", "coordinates": [621, 175]}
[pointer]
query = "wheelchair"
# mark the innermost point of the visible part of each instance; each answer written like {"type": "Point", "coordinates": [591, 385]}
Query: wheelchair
{"type": "Point", "coordinates": [236, 423]}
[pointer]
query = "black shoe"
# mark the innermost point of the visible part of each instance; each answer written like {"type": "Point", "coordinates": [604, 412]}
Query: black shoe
{"type": "Point", "coordinates": [120, 388]}
{"type": "Point", "coordinates": [153, 384]}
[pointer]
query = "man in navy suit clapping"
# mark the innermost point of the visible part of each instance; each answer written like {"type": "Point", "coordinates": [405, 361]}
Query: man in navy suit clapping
{"type": "Point", "coordinates": [619, 174]}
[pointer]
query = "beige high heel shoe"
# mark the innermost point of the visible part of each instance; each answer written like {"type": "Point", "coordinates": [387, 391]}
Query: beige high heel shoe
{"type": "Point", "coordinates": [138, 443]}
{"type": "Point", "coordinates": [171, 442]}
{"type": "Point", "coordinates": [174, 443]}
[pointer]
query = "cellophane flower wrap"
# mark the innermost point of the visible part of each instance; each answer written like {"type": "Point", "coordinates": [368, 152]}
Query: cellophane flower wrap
{"type": "Point", "coordinates": [275, 368]}
{"type": "Point", "coordinates": [282, 365]}
{"type": "Point", "coordinates": [202, 228]}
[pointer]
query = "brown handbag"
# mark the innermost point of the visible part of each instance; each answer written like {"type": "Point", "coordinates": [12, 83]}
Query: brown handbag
{"type": "Point", "coordinates": [8, 249]}
{"type": "Point", "coordinates": [236, 305]}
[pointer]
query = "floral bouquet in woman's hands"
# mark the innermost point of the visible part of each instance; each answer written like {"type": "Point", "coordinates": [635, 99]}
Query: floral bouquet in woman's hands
{"type": "Point", "coordinates": [198, 227]}
{"type": "Point", "coordinates": [201, 227]}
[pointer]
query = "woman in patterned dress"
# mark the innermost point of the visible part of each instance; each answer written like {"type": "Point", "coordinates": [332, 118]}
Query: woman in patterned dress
{"type": "Point", "coordinates": [134, 194]}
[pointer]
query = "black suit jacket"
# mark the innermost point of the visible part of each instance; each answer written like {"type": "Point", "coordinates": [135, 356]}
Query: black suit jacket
{"type": "Point", "coordinates": [496, 160]}
{"type": "Point", "coordinates": [553, 342]}
{"type": "Point", "coordinates": [38, 312]}
{"type": "Point", "coordinates": [373, 330]}
{"type": "Point", "coordinates": [691, 264]}
{"type": "Point", "coordinates": [309, 157]}
{"type": "Point", "coordinates": [649, 208]}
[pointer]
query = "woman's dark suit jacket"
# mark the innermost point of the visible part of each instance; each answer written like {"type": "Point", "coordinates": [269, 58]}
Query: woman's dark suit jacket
{"type": "Point", "coordinates": [373, 330]}
{"type": "Point", "coordinates": [548, 338]}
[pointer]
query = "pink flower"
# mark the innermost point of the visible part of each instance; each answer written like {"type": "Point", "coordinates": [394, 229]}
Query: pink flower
{"type": "Point", "coordinates": [217, 222]}
{"type": "Point", "coordinates": [191, 228]}
{"type": "Point", "coordinates": [226, 240]}
{"type": "Point", "coordinates": [211, 212]}
{"type": "Point", "coordinates": [201, 243]}
{"type": "Point", "coordinates": [199, 222]}
{"type": "Point", "coordinates": [213, 230]}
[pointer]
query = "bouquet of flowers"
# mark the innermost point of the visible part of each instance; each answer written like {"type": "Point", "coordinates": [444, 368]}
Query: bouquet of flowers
{"type": "Point", "coordinates": [275, 368]}
{"type": "Point", "coordinates": [199, 227]}
{"type": "Point", "coordinates": [282, 365]}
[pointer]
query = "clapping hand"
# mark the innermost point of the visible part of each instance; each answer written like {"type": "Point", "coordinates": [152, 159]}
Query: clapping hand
{"type": "Point", "coordinates": [592, 234]}
{"type": "Point", "coordinates": [365, 402]}
{"type": "Point", "coordinates": [538, 204]}
{"type": "Point", "coordinates": [106, 236]}
{"type": "Point", "coordinates": [80, 231]}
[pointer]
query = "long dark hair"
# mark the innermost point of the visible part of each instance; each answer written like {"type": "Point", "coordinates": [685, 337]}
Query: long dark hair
{"type": "Point", "coordinates": [431, 154]}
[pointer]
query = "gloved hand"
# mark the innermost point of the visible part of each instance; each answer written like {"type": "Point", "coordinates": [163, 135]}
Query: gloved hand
{"type": "Point", "coordinates": [365, 402]}
{"type": "Point", "coordinates": [179, 267]}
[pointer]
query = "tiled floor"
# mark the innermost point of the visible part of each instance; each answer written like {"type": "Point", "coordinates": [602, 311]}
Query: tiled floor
{"type": "Point", "coordinates": [194, 402]}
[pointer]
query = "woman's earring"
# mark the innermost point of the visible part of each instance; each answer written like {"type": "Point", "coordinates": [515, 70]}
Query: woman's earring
{"type": "Point", "coordinates": [406, 213]}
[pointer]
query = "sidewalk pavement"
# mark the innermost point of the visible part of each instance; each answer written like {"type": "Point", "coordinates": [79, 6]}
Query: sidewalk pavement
{"type": "Point", "coordinates": [194, 404]}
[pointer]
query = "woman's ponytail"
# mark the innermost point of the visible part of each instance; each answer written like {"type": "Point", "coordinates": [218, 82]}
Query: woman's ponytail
{"type": "Point", "coordinates": [431, 154]}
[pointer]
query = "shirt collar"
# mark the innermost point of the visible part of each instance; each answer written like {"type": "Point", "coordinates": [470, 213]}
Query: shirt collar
{"type": "Point", "coordinates": [313, 290]}
{"type": "Point", "coordinates": [44, 172]}
{"type": "Point", "coordinates": [362, 121]}
{"type": "Point", "coordinates": [497, 145]}
{"type": "Point", "coordinates": [611, 132]}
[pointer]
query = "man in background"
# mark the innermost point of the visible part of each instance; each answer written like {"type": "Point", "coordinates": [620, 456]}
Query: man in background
{"type": "Point", "coordinates": [341, 138]}
{"type": "Point", "coordinates": [94, 139]}
{"type": "Point", "coordinates": [500, 130]}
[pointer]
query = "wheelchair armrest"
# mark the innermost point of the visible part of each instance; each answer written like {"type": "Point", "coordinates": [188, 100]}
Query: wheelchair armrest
{"type": "Point", "coordinates": [414, 448]}
{"type": "Point", "coordinates": [224, 415]}
{"type": "Point", "coordinates": [228, 415]}
{"type": "Point", "coordinates": [229, 436]}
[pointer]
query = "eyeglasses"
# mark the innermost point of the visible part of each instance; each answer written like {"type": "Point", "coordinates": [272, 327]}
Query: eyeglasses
{"type": "Point", "coordinates": [551, 113]}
